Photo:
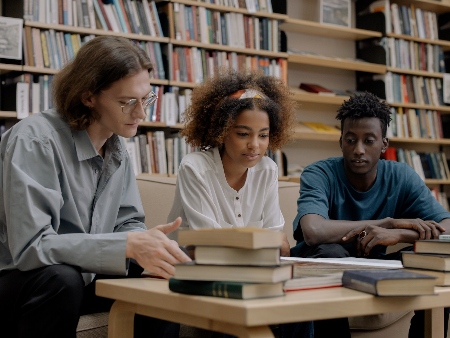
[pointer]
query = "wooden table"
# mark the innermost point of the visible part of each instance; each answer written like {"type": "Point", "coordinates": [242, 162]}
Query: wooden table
{"type": "Point", "coordinates": [251, 318]}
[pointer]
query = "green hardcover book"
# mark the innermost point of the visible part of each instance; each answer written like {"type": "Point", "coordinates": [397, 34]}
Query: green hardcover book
{"type": "Point", "coordinates": [238, 290]}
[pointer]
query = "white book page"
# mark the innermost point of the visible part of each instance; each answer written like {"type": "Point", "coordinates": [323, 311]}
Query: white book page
{"type": "Point", "coordinates": [389, 264]}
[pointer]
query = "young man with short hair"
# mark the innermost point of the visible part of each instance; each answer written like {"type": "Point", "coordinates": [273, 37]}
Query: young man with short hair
{"type": "Point", "coordinates": [357, 204]}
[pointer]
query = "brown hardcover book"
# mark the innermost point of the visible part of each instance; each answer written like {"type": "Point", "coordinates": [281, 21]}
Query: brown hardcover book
{"type": "Point", "coordinates": [442, 277]}
{"type": "Point", "coordinates": [248, 238]}
{"type": "Point", "coordinates": [426, 261]}
{"type": "Point", "coordinates": [29, 46]}
{"type": "Point", "coordinates": [433, 246]}
{"type": "Point", "coordinates": [315, 88]}
{"type": "Point", "coordinates": [233, 273]}
{"type": "Point", "coordinates": [220, 255]}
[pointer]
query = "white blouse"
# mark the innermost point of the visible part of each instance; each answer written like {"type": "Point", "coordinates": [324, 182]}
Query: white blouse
{"type": "Point", "coordinates": [203, 198]}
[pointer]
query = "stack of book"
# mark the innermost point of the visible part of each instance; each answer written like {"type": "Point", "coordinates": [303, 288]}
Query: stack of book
{"type": "Point", "coordinates": [431, 257]}
{"type": "Point", "coordinates": [241, 263]}
{"type": "Point", "coordinates": [375, 276]}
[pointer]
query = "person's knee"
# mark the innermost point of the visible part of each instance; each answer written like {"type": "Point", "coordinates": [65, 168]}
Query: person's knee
{"type": "Point", "coordinates": [65, 282]}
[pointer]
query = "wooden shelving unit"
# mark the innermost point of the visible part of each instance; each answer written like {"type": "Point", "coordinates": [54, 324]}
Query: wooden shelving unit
{"type": "Point", "coordinates": [443, 109]}
{"type": "Point", "coordinates": [428, 5]}
{"type": "Point", "coordinates": [415, 72]}
{"type": "Point", "coordinates": [331, 31]}
{"type": "Point", "coordinates": [323, 61]}
{"type": "Point", "coordinates": [149, 124]}
{"type": "Point", "coordinates": [214, 46]}
{"type": "Point", "coordinates": [220, 8]}
{"type": "Point", "coordinates": [303, 96]}
{"type": "Point", "coordinates": [444, 43]}
{"type": "Point", "coordinates": [89, 31]}
{"type": "Point", "coordinates": [8, 114]}
{"type": "Point", "coordinates": [5, 67]}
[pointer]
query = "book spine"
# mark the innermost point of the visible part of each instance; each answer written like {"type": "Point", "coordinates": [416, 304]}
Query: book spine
{"type": "Point", "coordinates": [215, 289]}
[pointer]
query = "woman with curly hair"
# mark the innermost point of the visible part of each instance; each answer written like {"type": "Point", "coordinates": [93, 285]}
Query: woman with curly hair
{"type": "Point", "coordinates": [234, 118]}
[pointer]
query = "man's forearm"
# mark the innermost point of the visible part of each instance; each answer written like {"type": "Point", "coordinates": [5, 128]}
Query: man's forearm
{"type": "Point", "coordinates": [317, 230]}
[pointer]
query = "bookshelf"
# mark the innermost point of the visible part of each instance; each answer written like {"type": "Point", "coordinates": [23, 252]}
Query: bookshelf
{"type": "Point", "coordinates": [324, 54]}
{"type": "Point", "coordinates": [264, 52]}
{"type": "Point", "coordinates": [317, 53]}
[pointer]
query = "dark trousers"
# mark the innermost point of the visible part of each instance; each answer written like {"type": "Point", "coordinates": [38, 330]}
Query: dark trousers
{"type": "Point", "coordinates": [340, 327]}
{"type": "Point", "coordinates": [47, 302]}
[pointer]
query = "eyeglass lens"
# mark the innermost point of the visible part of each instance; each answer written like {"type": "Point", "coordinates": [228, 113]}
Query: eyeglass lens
{"type": "Point", "coordinates": [148, 101]}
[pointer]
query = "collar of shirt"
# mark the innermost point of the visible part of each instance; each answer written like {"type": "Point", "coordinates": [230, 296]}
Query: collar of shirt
{"type": "Point", "coordinates": [86, 150]}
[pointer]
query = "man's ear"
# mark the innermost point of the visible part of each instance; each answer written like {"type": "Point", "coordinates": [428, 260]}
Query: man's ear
{"type": "Point", "coordinates": [385, 144]}
{"type": "Point", "coordinates": [88, 99]}
{"type": "Point", "coordinates": [340, 142]}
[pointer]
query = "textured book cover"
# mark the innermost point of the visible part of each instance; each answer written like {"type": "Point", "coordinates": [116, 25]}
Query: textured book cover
{"type": "Point", "coordinates": [222, 289]}
{"type": "Point", "coordinates": [389, 282]}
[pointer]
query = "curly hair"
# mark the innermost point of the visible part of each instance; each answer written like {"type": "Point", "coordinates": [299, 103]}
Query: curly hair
{"type": "Point", "coordinates": [98, 64]}
{"type": "Point", "coordinates": [212, 111]}
{"type": "Point", "coordinates": [365, 105]}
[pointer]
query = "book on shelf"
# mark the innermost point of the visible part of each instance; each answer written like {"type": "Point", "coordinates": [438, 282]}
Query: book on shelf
{"type": "Point", "coordinates": [315, 88]}
{"type": "Point", "coordinates": [390, 154]}
{"type": "Point", "coordinates": [389, 282]}
{"type": "Point", "coordinates": [237, 290]}
{"type": "Point", "coordinates": [220, 255]}
{"type": "Point", "coordinates": [438, 262]}
{"type": "Point", "coordinates": [433, 246]}
{"type": "Point", "coordinates": [11, 37]}
{"type": "Point", "coordinates": [232, 273]}
{"type": "Point", "coordinates": [322, 128]}
{"type": "Point", "coordinates": [247, 238]}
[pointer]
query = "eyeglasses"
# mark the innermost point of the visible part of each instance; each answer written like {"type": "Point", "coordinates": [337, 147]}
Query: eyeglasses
{"type": "Point", "coordinates": [146, 102]}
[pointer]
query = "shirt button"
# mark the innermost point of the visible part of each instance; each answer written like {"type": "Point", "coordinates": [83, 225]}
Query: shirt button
{"type": "Point", "coordinates": [239, 215]}
{"type": "Point", "coordinates": [95, 171]}
{"type": "Point", "coordinates": [237, 198]}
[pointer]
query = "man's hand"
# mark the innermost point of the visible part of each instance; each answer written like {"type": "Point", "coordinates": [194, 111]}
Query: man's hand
{"type": "Point", "coordinates": [426, 229]}
{"type": "Point", "coordinates": [285, 249]}
{"type": "Point", "coordinates": [371, 235]}
{"type": "Point", "coordinates": [154, 251]}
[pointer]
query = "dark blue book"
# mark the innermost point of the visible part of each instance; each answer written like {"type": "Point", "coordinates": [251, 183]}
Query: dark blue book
{"type": "Point", "coordinates": [389, 282]}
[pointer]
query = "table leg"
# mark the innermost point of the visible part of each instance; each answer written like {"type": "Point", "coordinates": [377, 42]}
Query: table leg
{"type": "Point", "coordinates": [434, 323]}
{"type": "Point", "coordinates": [121, 320]}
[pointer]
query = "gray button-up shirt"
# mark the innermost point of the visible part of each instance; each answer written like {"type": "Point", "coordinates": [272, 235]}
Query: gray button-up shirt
{"type": "Point", "coordinates": [61, 202]}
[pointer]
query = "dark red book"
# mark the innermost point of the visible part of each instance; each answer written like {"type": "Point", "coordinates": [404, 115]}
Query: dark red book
{"type": "Point", "coordinates": [315, 88]}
